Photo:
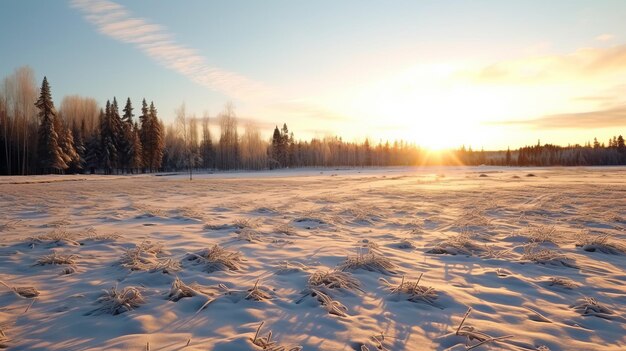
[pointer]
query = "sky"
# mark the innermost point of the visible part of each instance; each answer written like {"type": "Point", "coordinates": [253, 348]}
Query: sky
{"type": "Point", "coordinates": [441, 73]}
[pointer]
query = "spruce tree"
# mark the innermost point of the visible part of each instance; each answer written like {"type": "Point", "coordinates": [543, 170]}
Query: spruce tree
{"type": "Point", "coordinates": [108, 151]}
{"type": "Point", "coordinates": [92, 154]}
{"type": "Point", "coordinates": [276, 148]}
{"type": "Point", "coordinates": [144, 134]}
{"type": "Point", "coordinates": [136, 149]}
{"type": "Point", "coordinates": [79, 145]}
{"type": "Point", "coordinates": [157, 139]}
{"type": "Point", "coordinates": [49, 152]}
{"type": "Point", "coordinates": [117, 136]}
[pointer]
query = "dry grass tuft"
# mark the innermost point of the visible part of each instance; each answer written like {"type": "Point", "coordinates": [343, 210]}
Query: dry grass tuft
{"type": "Point", "coordinates": [413, 291]}
{"type": "Point", "coordinates": [473, 217]}
{"type": "Point", "coordinates": [28, 292]}
{"type": "Point", "coordinates": [93, 235]}
{"type": "Point", "coordinates": [242, 223]}
{"type": "Point", "coordinates": [258, 293]}
{"type": "Point", "coordinates": [333, 279]}
{"type": "Point", "coordinates": [534, 253]}
{"type": "Point", "coordinates": [114, 301]}
{"type": "Point", "coordinates": [371, 261]}
{"type": "Point", "coordinates": [330, 305]}
{"type": "Point", "coordinates": [543, 234]}
{"type": "Point", "coordinates": [285, 229]}
{"type": "Point", "coordinates": [600, 243]}
{"type": "Point", "coordinates": [145, 257]}
{"type": "Point", "coordinates": [588, 306]}
{"type": "Point", "coordinates": [563, 282]}
{"type": "Point", "coordinates": [180, 290]}
{"type": "Point", "coordinates": [461, 243]}
{"type": "Point", "coordinates": [472, 334]}
{"type": "Point", "coordinates": [216, 258]}
{"type": "Point", "coordinates": [56, 259]}
{"type": "Point", "coordinates": [267, 344]}
{"type": "Point", "coordinates": [249, 235]}
{"type": "Point", "coordinates": [58, 237]}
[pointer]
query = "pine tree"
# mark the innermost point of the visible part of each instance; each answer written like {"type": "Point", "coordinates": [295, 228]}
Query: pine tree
{"type": "Point", "coordinates": [127, 142]}
{"type": "Point", "coordinates": [284, 146]}
{"type": "Point", "coordinates": [156, 138]}
{"type": "Point", "coordinates": [144, 134]}
{"type": "Point", "coordinates": [92, 154]}
{"type": "Point", "coordinates": [276, 149]}
{"type": "Point", "coordinates": [49, 151]}
{"type": "Point", "coordinates": [117, 136]}
{"type": "Point", "coordinates": [136, 149]}
{"type": "Point", "coordinates": [108, 151]}
{"type": "Point", "coordinates": [79, 145]}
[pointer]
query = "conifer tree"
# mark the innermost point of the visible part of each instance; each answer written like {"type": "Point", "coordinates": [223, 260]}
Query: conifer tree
{"type": "Point", "coordinates": [276, 148]}
{"type": "Point", "coordinates": [144, 134]}
{"type": "Point", "coordinates": [156, 139]}
{"type": "Point", "coordinates": [108, 151]}
{"type": "Point", "coordinates": [117, 135]}
{"type": "Point", "coordinates": [92, 154]}
{"type": "Point", "coordinates": [127, 136]}
{"type": "Point", "coordinates": [79, 145]}
{"type": "Point", "coordinates": [49, 152]}
{"type": "Point", "coordinates": [136, 149]}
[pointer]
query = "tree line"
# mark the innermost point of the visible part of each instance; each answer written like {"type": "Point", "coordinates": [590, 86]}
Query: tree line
{"type": "Point", "coordinates": [81, 137]}
{"type": "Point", "coordinates": [590, 154]}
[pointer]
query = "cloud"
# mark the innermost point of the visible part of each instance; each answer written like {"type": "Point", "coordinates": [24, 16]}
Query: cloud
{"type": "Point", "coordinates": [613, 117]}
{"type": "Point", "coordinates": [115, 21]}
{"type": "Point", "coordinates": [605, 37]}
{"type": "Point", "coordinates": [581, 64]}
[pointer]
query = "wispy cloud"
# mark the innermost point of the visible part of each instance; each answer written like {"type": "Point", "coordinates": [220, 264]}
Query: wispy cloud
{"type": "Point", "coordinates": [580, 64]}
{"type": "Point", "coordinates": [115, 21]}
{"type": "Point", "coordinates": [613, 117]}
{"type": "Point", "coordinates": [605, 37]}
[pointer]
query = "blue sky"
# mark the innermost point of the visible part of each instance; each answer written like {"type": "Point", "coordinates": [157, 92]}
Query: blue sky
{"type": "Point", "coordinates": [381, 69]}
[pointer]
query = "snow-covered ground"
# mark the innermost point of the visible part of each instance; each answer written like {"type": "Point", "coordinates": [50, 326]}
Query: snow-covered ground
{"type": "Point", "coordinates": [363, 259]}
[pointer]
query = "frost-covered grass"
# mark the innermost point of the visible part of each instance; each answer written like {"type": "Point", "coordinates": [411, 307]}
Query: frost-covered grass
{"type": "Point", "coordinates": [413, 291]}
{"type": "Point", "coordinates": [216, 258]}
{"type": "Point", "coordinates": [333, 279]}
{"type": "Point", "coordinates": [369, 261]}
{"type": "Point", "coordinates": [600, 243]}
{"type": "Point", "coordinates": [180, 290]}
{"type": "Point", "coordinates": [266, 343]}
{"type": "Point", "coordinates": [22, 291]}
{"type": "Point", "coordinates": [563, 282]}
{"type": "Point", "coordinates": [55, 259]}
{"type": "Point", "coordinates": [290, 267]}
{"type": "Point", "coordinates": [537, 254]}
{"type": "Point", "coordinates": [145, 257]}
{"type": "Point", "coordinates": [115, 301]}
{"type": "Point", "coordinates": [459, 244]}
{"type": "Point", "coordinates": [58, 237]}
{"type": "Point", "coordinates": [589, 306]}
